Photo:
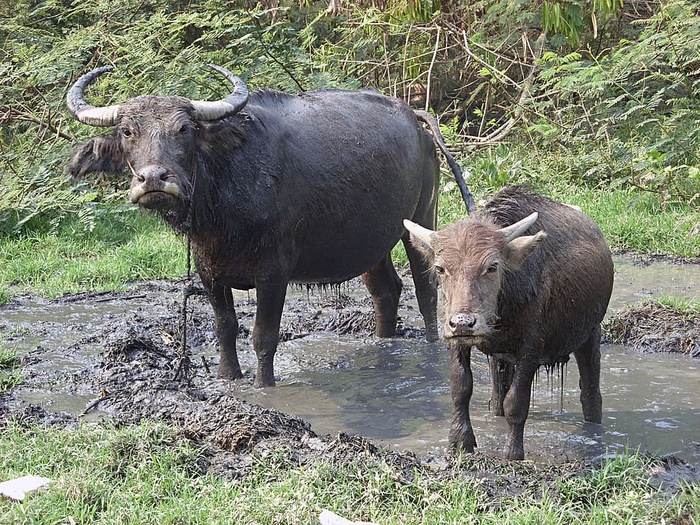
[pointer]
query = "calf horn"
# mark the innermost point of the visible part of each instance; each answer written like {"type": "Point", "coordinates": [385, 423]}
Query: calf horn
{"type": "Point", "coordinates": [107, 116]}
{"type": "Point", "coordinates": [517, 229]}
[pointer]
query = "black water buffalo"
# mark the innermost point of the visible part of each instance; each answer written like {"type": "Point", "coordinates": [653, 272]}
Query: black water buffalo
{"type": "Point", "coordinates": [527, 281]}
{"type": "Point", "coordinates": [274, 188]}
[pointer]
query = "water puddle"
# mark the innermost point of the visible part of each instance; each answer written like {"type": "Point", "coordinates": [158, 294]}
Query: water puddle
{"type": "Point", "coordinates": [650, 403]}
{"type": "Point", "coordinates": [396, 392]}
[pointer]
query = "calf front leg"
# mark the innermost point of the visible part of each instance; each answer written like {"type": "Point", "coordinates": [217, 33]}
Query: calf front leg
{"type": "Point", "coordinates": [461, 384]}
{"type": "Point", "coordinates": [271, 293]}
{"type": "Point", "coordinates": [588, 361]}
{"type": "Point", "coordinates": [226, 328]}
{"type": "Point", "coordinates": [516, 407]}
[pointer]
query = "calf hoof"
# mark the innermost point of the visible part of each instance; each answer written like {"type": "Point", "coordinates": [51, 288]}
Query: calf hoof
{"type": "Point", "coordinates": [264, 377]}
{"type": "Point", "coordinates": [515, 454]}
{"type": "Point", "coordinates": [463, 443]}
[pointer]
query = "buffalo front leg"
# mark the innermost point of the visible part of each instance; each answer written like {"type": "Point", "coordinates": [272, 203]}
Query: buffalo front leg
{"type": "Point", "coordinates": [271, 293]}
{"type": "Point", "coordinates": [461, 385]}
{"type": "Point", "coordinates": [384, 286]}
{"type": "Point", "coordinates": [226, 328]}
{"type": "Point", "coordinates": [588, 361]}
{"type": "Point", "coordinates": [516, 406]}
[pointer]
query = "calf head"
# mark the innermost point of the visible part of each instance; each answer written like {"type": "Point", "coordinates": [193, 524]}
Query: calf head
{"type": "Point", "coordinates": [469, 258]}
{"type": "Point", "coordinates": [156, 137]}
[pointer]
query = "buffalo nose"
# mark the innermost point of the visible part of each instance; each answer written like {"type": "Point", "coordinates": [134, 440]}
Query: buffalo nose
{"type": "Point", "coordinates": [152, 173]}
{"type": "Point", "coordinates": [462, 323]}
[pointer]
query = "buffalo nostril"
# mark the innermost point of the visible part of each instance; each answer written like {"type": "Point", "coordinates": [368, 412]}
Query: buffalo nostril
{"type": "Point", "coordinates": [461, 322]}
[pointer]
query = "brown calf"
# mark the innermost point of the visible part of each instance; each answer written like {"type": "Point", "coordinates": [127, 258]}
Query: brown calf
{"type": "Point", "coordinates": [527, 281]}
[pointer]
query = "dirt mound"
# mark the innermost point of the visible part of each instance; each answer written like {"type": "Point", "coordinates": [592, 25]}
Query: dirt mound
{"type": "Point", "coordinates": [654, 327]}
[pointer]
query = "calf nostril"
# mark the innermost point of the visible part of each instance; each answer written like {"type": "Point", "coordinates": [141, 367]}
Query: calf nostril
{"type": "Point", "coordinates": [461, 322]}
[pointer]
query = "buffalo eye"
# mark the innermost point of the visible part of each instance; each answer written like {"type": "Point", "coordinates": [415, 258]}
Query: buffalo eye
{"type": "Point", "coordinates": [491, 268]}
{"type": "Point", "coordinates": [440, 270]}
{"type": "Point", "coordinates": [126, 132]}
{"type": "Point", "coordinates": [184, 128]}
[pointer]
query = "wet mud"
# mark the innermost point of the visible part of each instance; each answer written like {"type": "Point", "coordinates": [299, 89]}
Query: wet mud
{"type": "Point", "coordinates": [132, 365]}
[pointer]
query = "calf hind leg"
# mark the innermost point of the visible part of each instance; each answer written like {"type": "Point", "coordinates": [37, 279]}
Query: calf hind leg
{"type": "Point", "coordinates": [384, 286]}
{"type": "Point", "coordinates": [588, 361]}
{"type": "Point", "coordinates": [501, 377]}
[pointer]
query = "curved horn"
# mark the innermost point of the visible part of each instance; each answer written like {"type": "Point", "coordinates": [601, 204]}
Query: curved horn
{"type": "Point", "coordinates": [204, 110]}
{"type": "Point", "coordinates": [517, 229]}
{"type": "Point", "coordinates": [419, 232]}
{"type": "Point", "coordinates": [84, 112]}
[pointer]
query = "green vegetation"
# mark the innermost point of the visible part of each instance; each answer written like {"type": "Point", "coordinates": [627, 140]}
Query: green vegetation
{"type": "Point", "coordinates": [132, 246]}
{"type": "Point", "coordinates": [9, 375]}
{"type": "Point", "coordinates": [568, 97]}
{"type": "Point", "coordinates": [148, 474]}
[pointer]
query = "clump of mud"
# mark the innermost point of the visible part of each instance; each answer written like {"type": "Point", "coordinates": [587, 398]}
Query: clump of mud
{"type": "Point", "coordinates": [654, 327]}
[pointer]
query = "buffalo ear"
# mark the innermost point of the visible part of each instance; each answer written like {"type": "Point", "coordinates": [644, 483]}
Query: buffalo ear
{"type": "Point", "coordinates": [101, 154]}
{"type": "Point", "coordinates": [218, 135]}
{"type": "Point", "coordinates": [517, 250]}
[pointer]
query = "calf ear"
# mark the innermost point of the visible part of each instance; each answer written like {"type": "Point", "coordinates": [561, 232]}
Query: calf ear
{"type": "Point", "coordinates": [102, 154]}
{"type": "Point", "coordinates": [517, 250]}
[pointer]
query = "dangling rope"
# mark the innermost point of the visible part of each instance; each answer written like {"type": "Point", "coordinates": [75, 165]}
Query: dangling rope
{"type": "Point", "coordinates": [189, 290]}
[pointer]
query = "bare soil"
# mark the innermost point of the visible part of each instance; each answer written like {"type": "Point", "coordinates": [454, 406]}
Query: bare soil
{"type": "Point", "coordinates": [141, 373]}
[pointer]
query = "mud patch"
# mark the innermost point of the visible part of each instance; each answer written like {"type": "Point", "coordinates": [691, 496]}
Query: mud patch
{"type": "Point", "coordinates": [654, 327]}
{"type": "Point", "coordinates": [136, 370]}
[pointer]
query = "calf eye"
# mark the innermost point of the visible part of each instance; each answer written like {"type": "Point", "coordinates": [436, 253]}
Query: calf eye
{"type": "Point", "coordinates": [439, 269]}
{"type": "Point", "coordinates": [492, 267]}
{"type": "Point", "coordinates": [184, 129]}
{"type": "Point", "coordinates": [126, 132]}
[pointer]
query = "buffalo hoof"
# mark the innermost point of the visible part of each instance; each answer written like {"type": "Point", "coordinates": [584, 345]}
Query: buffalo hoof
{"type": "Point", "coordinates": [228, 373]}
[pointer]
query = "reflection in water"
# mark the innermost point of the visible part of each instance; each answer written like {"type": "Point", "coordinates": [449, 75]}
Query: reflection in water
{"type": "Point", "coordinates": [397, 393]}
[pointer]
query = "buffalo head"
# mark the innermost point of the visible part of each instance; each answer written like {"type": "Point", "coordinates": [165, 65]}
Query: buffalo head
{"type": "Point", "coordinates": [156, 137]}
{"type": "Point", "coordinates": [469, 258]}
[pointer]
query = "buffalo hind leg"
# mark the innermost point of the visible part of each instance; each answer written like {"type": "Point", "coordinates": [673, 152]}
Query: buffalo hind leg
{"type": "Point", "coordinates": [384, 286]}
{"type": "Point", "coordinates": [226, 328]}
{"type": "Point", "coordinates": [588, 361]}
{"type": "Point", "coordinates": [516, 406]}
{"type": "Point", "coordinates": [461, 385]}
{"type": "Point", "coordinates": [426, 289]}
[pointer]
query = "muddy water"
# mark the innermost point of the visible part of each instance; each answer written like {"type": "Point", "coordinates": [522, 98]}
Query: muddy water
{"type": "Point", "coordinates": [396, 392]}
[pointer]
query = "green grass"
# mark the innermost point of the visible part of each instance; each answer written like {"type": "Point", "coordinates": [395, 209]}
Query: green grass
{"type": "Point", "coordinates": [631, 220]}
{"type": "Point", "coordinates": [134, 248]}
{"type": "Point", "coordinates": [9, 373]}
{"type": "Point", "coordinates": [149, 474]}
